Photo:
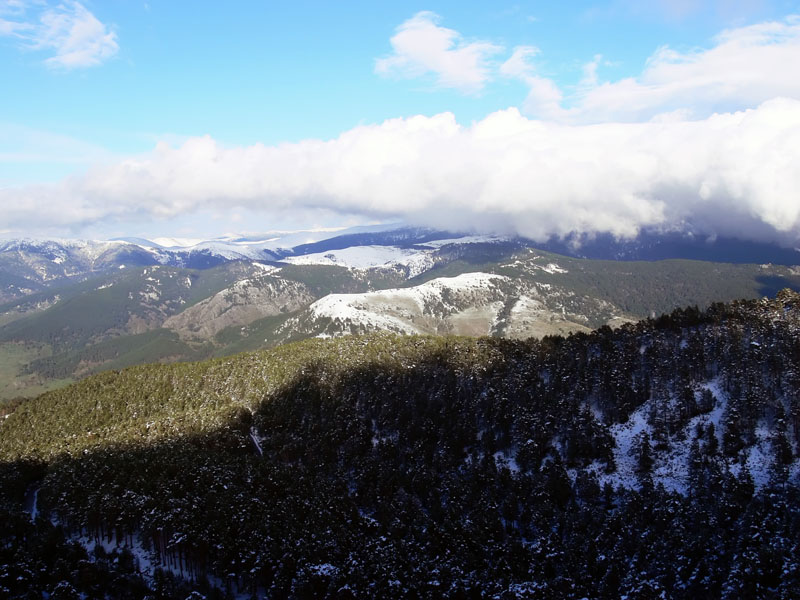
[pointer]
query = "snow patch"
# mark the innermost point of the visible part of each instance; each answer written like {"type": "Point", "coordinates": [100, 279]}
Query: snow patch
{"type": "Point", "coordinates": [367, 257]}
{"type": "Point", "coordinates": [467, 239]}
{"type": "Point", "coordinates": [326, 569]}
{"type": "Point", "coordinates": [624, 434]}
{"type": "Point", "coordinates": [256, 441]}
{"type": "Point", "coordinates": [551, 268]}
{"type": "Point", "coordinates": [269, 269]}
{"type": "Point", "coordinates": [509, 462]}
{"type": "Point", "coordinates": [174, 242]}
{"type": "Point", "coordinates": [671, 465]}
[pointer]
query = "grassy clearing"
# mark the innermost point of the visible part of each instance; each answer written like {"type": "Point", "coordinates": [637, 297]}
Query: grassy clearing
{"type": "Point", "coordinates": [13, 382]}
{"type": "Point", "coordinates": [10, 317]}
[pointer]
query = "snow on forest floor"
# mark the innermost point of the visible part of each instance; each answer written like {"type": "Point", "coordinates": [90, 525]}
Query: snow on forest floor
{"type": "Point", "coordinates": [671, 465]}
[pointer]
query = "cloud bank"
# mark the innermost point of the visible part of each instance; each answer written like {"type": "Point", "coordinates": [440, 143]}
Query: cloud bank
{"type": "Point", "coordinates": [729, 174]}
{"type": "Point", "coordinates": [70, 32]}
{"type": "Point", "coordinates": [707, 139]}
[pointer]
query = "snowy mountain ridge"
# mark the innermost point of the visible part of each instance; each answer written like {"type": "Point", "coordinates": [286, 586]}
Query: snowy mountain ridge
{"type": "Point", "coordinates": [473, 303]}
{"type": "Point", "coordinates": [41, 261]}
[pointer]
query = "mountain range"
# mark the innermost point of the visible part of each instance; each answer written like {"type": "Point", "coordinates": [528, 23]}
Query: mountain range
{"type": "Point", "coordinates": [71, 308]}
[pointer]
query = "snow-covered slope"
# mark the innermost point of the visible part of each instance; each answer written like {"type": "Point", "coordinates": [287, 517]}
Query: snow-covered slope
{"type": "Point", "coordinates": [468, 304]}
{"type": "Point", "coordinates": [672, 461]}
{"type": "Point", "coordinates": [463, 304]}
{"type": "Point", "coordinates": [28, 266]}
{"type": "Point", "coordinates": [415, 260]}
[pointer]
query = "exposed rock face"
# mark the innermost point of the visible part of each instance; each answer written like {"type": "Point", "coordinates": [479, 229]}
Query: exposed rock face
{"type": "Point", "coordinates": [240, 304]}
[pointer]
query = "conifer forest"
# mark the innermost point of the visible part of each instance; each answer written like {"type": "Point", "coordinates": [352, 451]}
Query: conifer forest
{"type": "Point", "coordinates": [659, 459]}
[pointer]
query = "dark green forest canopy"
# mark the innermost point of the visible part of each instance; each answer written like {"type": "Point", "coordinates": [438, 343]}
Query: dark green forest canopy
{"type": "Point", "coordinates": [433, 466]}
{"type": "Point", "coordinates": [149, 403]}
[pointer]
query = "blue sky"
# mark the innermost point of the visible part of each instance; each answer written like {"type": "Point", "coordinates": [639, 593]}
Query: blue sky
{"type": "Point", "coordinates": [93, 87]}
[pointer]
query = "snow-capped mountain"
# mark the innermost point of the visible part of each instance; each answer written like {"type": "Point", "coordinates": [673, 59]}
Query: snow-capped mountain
{"type": "Point", "coordinates": [28, 266]}
{"type": "Point", "coordinates": [472, 303]}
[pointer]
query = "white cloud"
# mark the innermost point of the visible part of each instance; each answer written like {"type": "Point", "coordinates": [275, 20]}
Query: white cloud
{"type": "Point", "coordinates": [590, 77]}
{"type": "Point", "coordinates": [74, 36]}
{"type": "Point", "coordinates": [517, 65]}
{"type": "Point", "coordinates": [12, 26]}
{"type": "Point", "coordinates": [544, 96]}
{"type": "Point", "coordinates": [746, 66]}
{"type": "Point", "coordinates": [422, 47]}
{"type": "Point", "coordinates": [729, 174]}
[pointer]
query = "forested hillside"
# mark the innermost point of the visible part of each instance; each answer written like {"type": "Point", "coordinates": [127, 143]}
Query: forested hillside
{"type": "Point", "coordinates": [659, 459]}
